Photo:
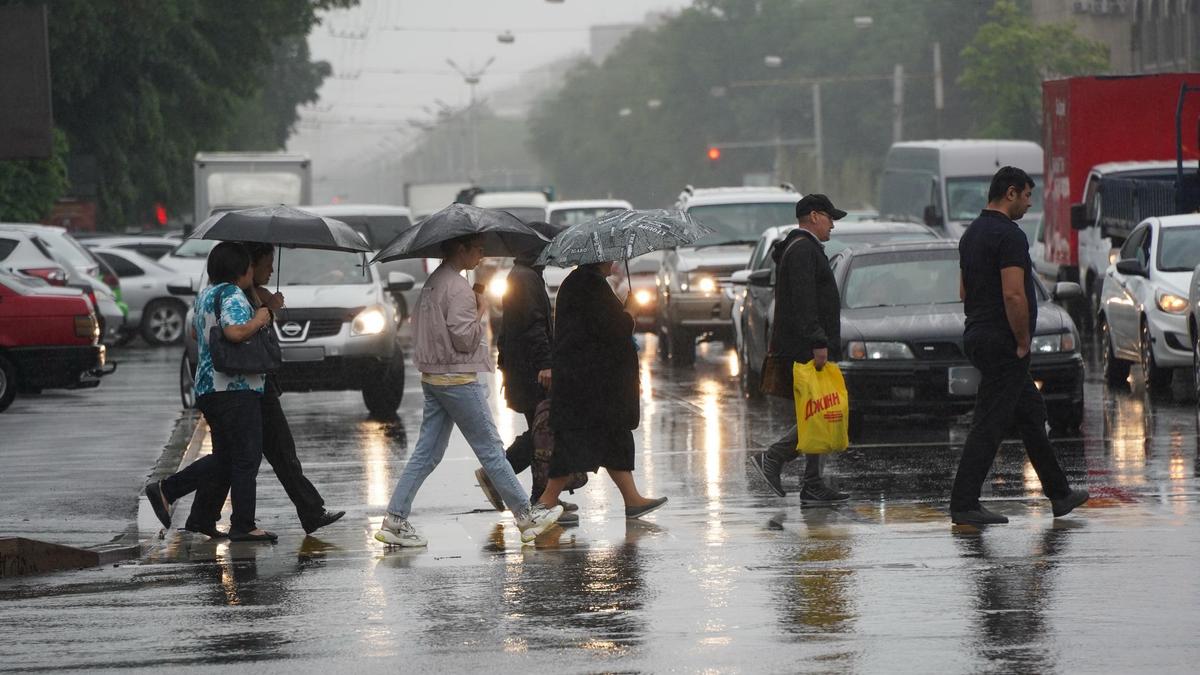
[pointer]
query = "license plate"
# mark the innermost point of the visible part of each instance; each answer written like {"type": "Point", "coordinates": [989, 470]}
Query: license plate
{"type": "Point", "coordinates": [903, 393]}
{"type": "Point", "coordinates": [294, 354]}
{"type": "Point", "coordinates": [962, 381]}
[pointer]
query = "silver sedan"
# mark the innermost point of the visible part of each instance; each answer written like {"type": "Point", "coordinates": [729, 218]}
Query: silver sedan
{"type": "Point", "coordinates": [158, 315]}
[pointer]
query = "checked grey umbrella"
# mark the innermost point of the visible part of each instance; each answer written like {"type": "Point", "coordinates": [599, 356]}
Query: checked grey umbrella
{"type": "Point", "coordinates": [621, 235]}
{"type": "Point", "coordinates": [503, 234]}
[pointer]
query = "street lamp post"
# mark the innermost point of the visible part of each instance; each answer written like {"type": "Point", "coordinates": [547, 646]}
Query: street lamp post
{"type": "Point", "coordinates": [472, 78]}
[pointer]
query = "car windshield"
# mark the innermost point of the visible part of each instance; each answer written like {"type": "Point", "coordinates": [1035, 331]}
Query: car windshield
{"type": "Point", "coordinates": [742, 222]}
{"type": "Point", "coordinates": [569, 217]}
{"type": "Point", "coordinates": [195, 248]}
{"type": "Point", "coordinates": [966, 197]}
{"type": "Point", "coordinates": [68, 249]}
{"type": "Point", "coordinates": [902, 278]}
{"type": "Point", "coordinates": [881, 237]}
{"type": "Point", "coordinates": [1179, 249]}
{"type": "Point", "coordinates": [378, 230]}
{"type": "Point", "coordinates": [311, 267]}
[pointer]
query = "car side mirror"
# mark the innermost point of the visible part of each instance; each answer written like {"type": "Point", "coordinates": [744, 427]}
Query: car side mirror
{"type": "Point", "coordinates": [740, 278]}
{"type": "Point", "coordinates": [398, 282]}
{"type": "Point", "coordinates": [181, 287]}
{"type": "Point", "coordinates": [1067, 290]}
{"type": "Point", "coordinates": [1131, 267]}
{"type": "Point", "coordinates": [932, 217]}
{"type": "Point", "coordinates": [1079, 217]}
{"type": "Point", "coordinates": [760, 278]}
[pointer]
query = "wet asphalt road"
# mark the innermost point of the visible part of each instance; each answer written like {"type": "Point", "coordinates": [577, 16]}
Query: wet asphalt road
{"type": "Point", "coordinates": [725, 579]}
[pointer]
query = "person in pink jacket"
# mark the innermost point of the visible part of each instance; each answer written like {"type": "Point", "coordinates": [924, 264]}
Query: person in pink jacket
{"type": "Point", "coordinates": [451, 349]}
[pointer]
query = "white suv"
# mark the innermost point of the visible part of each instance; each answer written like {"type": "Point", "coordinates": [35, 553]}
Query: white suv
{"type": "Point", "coordinates": [694, 293]}
{"type": "Point", "coordinates": [1143, 301]}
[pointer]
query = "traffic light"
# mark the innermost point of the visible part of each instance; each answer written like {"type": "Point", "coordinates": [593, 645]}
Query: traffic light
{"type": "Point", "coordinates": [160, 214]}
{"type": "Point", "coordinates": [714, 153]}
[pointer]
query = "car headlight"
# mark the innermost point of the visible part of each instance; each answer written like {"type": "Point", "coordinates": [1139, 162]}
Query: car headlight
{"type": "Point", "coordinates": [872, 351]}
{"type": "Point", "coordinates": [1113, 256]}
{"type": "Point", "coordinates": [700, 283]}
{"type": "Point", "coordinates": [1052, 344]}
{"type": "Point", "coordinates": [497, 287]}
{"type": "Point", "coordinates": [370, 321]}
{"type": "Point", "coordinates": [1171, 303]}
{"type": "Point", "coordinates": [642, 297]}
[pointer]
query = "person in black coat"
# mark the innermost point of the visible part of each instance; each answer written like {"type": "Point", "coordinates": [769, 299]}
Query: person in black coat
{"type": "Point", "coordinates": [594, 405]}
{"type": "Point", "coordinates": [807, 327]}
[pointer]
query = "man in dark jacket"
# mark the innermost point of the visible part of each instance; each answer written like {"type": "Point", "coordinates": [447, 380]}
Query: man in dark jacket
{"type": "Point", "coordinates": [525, 344]}
{"type": "Point", "coordinates": [808, 316]}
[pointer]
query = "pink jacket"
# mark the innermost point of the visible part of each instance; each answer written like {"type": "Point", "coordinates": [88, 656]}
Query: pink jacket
{"type": "Point", "coordinates": [448, 333]}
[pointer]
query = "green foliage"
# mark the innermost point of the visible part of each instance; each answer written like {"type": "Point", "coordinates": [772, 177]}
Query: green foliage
{"type": "Point", "coordinates": [144, 84]}
{"type": "Point", "coordinates": [29, 187]}
{"type": "Point", "coordinates": [1007, 61]}
{"type": "Point", "coordinates": [649, 154]}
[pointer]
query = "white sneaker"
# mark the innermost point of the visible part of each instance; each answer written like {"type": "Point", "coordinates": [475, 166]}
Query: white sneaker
{"type": "Point", "coordinates": [537, 520]}
{"type": "Point", "coordinates": [399, 532]}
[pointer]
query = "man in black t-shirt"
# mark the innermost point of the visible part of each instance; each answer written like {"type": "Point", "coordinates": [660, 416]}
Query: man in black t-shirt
{"type": "Point", "coordinates": [1000, 301]}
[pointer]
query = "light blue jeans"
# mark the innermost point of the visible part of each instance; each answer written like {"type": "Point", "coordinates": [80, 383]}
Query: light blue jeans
{"type": "Point", "coordinates": [465, 405]}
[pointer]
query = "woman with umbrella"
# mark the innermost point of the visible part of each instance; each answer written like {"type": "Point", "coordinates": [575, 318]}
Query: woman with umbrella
{"type": "Point", "coordinates": [451, 348]}
{"type": "Point", "coordinates": [595, 404]}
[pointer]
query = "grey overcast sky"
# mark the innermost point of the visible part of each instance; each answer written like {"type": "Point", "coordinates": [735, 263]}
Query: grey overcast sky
{"type": "Point", "coordinates": [389, 60]}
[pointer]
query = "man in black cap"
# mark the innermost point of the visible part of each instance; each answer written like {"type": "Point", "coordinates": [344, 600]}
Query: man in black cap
{"type": "Point", "coordinates": [808, 315]}
{"type": "Point", "coordinates": [1000, 302]}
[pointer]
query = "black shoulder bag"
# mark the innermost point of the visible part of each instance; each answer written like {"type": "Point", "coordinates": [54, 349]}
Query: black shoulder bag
{"type": "Point", "coordinates": [257, 355]}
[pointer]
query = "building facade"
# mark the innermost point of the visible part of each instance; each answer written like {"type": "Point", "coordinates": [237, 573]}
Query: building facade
{"type": "Point", "coordinates": [1143, 36]}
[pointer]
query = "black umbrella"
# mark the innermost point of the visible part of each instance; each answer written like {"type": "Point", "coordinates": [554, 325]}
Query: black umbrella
{"type": "Point", "coordinates": [503, 234]}
{"type": "Point", "coordinates": [282, 226]}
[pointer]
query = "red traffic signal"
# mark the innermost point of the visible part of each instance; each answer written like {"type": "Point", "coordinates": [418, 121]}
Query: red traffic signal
{"type": "Point", "coordinates": [160, 214]}
{"type": "Point", "coordinates": [714, 153]}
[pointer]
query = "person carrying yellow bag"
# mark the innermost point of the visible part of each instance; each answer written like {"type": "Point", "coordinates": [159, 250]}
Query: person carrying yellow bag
{"type": "Point", "coordinates": [806, 334]}
{"type": "Point", "coordinates": [822, 409]}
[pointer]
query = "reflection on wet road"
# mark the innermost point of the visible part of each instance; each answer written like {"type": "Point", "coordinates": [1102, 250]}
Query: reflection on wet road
{"type": "Point", "coordinates": [726, 578]}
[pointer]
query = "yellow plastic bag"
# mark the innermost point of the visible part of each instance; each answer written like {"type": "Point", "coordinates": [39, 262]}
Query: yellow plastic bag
{"type": "Point", "coordinates": [822, 408]}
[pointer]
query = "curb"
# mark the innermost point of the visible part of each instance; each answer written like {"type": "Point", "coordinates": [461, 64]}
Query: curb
{"type": "Point", "coordinates": [184, 447]}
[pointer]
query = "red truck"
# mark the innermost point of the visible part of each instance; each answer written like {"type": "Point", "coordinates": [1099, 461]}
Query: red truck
{"type": "Point", "coordinates": [49, 339]}
{"type": "Point", "coordinates": [1110, 152]}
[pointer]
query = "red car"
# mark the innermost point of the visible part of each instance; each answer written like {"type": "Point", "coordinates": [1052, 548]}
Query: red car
{"type": "Point", "coordinates": [49, 338]}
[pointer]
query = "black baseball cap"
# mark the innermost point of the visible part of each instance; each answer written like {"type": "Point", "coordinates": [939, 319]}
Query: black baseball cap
{"type": "Point", "coordinates": [818, 202]}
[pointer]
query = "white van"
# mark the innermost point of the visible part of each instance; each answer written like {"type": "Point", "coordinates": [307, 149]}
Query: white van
{"type": "Point", "coordinates": [528, 206]}
{"type": "Point", "coordinates": [944, 184]}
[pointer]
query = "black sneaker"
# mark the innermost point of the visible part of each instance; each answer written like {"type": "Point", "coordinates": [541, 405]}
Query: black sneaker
{"type": "Point", "coordinates": [326, 518]}
{"type": "Point", "coordinates": [159, 503]}
{"type": "Point", "coordinates": [1067, 504]}
{"type": "Point", "coordinates": [819, 493]}
{"type": "Point", "coordinates": [769, 468]}
{"type": "Point", "coordinates": [979, 516]}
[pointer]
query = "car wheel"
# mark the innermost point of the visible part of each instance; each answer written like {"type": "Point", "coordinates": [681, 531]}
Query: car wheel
{"type": "Point", "coordinates": [187, 382]}
{"type": "Point", "coordinates": [683, 346]}
{"type": "Point", "coordinates": [1155, 378]}
{"type": "Point", "coordinates": [1065, 418]}
{"type": "Point", "coordinates": [8, 383]}
{"type": "Point", "coordinates": [751, 381]}
{"type": "Point", "coordinates": [1116, 371]}
{"type": "Point", "coordinates": [162, 322]}
{"type": "Point", "coordinates": [383, 395]}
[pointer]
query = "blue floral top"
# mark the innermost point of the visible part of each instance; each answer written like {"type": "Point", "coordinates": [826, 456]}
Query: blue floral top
{"type": "Point", "coordinates": [235, 310]}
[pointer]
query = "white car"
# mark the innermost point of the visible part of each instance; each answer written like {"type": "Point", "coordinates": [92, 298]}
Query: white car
{"type": "Point", "coordinates": [1144, 301]}
{"type": "Point", "coordinates": [151, 247]}
{"type": "Point", "coordinates": [153, 310]}
{"type": "Point", "coordinates": [564, 214]}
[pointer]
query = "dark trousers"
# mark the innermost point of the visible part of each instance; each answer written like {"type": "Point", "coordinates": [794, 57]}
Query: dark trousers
{"type": "Point", "coordinates": [235, 421]}
{"type": "Point", "coordinates": [784, 450]}
{"type": "Point", "coordinates": [1006, 397]}
{"type": "Point", "coordinates": [279, 449]}
{"type": "Point", "coordinates": [520, 453]}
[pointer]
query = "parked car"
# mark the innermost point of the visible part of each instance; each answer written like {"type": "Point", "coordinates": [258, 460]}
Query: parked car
{"type": "Point", "coordinates": [694, 293]}
{"type": "Point", "coordinates": [339, 329]}
{"type": "Point", "coordinates": [754, 305]}
{"type": "Point", "coordinates": [1144, 301]}
{"type": "Point", "coordinates": [902, 327]}
{"type": "Point", "coordinates": [49, 338]}
{"type": "Point", "coordinates": [189, 259]}
{"type": "Point", "coordinates": [151, 247]}
{"type": "Point", "coordinates": [153, 310]}
{"type": "Point", "coordinates": [31, 251]}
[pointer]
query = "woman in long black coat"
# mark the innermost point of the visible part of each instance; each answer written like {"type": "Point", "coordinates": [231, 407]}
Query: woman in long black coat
{"type": "Point", "coordinates": [594, 402]}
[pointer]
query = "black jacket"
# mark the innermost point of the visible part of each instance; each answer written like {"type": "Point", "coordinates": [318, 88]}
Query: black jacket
{"type": "Point", "coordinates": [526, 337]}
{"type": "Point", "coordinates": [595, 362]}
{"type": "Point", "coordinates": [808, 308]}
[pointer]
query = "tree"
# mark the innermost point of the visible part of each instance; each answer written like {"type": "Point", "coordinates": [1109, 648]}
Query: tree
{"type": "Point", "coordinates": [1006, 62]}
{"type": "Point", "coordinates": [142, 85]}
{"type": "Point", "coordinates": [29, 187]}
{"type": "Point", "coordinates": [265, 120]}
